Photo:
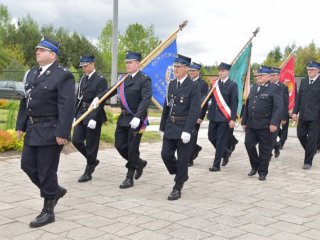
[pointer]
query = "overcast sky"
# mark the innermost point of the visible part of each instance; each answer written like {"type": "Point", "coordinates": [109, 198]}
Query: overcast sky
{"type": "Point", "coordinates": [217, 30]}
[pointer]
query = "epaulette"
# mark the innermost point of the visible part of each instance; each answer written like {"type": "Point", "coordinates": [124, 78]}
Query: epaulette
{"type": "Point", "coordinates": [62, 68]}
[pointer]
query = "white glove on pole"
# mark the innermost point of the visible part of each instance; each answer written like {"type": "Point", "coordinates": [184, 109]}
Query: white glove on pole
{"type": "Point", "coordinates": [185, 137]}
{"type": "Point", "coordinates": [94, 104]}
{"type": "Point", "coordinates": [161, 134]}
{"type": "Point", "coordinates": [135, 122]}
{"type": "Point", "coordinates": [92, 124]}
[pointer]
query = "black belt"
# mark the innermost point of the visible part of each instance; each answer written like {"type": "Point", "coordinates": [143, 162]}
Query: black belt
{"type": "Point", "coordinates": [178, 119]}
{"type": "Point", "coordinates": [125, 112]}
{"type": "Point", "coordinates": [42, 119]}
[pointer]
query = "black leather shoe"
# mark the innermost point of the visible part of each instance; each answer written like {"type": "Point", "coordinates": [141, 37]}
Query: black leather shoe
{"type": "Point", "coordinates": [174, 195]}
{"type": "Point", "coordinates": [196, 153]}
{"type": "Point", "coordinates": [85, 177]}
{"type": "Point", "coordinates": [96, 163]}
{"type": "Point", "coordinates": [190, 164]}
{"type": "Point", "coordinates": [127, 183]}
{"type": "Point", "coordinates": [46, 216]}
{"type": "Point", "coordinates": [43, 219]}
{"type": "Point", "coordinates": [252, 172]}
{"type": "Point", "coordinates": [262, 177]}
{"type": "Point", "coordinates": [139, 170]}
{"type": "Point", "coordinates": [306, 166]}
{"type": "Point", "coordinates": [62, 192]}
{"type": "Point", "coordinates": [214, 169]}
{"type": "Point", "coordinates": [226, 158]}
{"type": "Point", "coordinates": [276, 152]}
{"type": "Point", "coordinates": [233, 146]}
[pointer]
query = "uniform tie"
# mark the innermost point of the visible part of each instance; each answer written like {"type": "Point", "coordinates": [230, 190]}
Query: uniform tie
{"type": "Point", "coordinates": [311, 81]}
{"type": "Point", "coordinates": [179, 84]}
{"type": "Point", "coordinates": [38, 73]}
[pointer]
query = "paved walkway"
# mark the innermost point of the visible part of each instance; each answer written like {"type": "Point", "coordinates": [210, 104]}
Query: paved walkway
{"type": "Point", "coordinates": [217, 206]}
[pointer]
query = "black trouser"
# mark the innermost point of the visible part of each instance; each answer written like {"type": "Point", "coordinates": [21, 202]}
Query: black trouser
{"type": "Point", "coordinates": [193, 141]}
{"type": "Point", "coordinates": [276, 144]}
{"type": "Point", "coordinates": [308, 132]}
{"type": "Point", "coordinates": [41, 163]}
{"type": "Point", "coordinates": [264, 138]}
{"type": "Point", "coordinates": [283, 133]}
{"type": "Point", "coordinates": [127, 142]}
{"type": "Point", "coordinates": [218, 135]}
{"type": "Point", "coordinates": [179, 166]}
{"type": "Point", "coordinates": [231, 139]}
{"type": "Point", "coordinates": [91, 137]}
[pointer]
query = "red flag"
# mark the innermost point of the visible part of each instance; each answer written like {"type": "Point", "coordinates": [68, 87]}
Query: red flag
{"type": "Point", "coordinates": [287, 78]}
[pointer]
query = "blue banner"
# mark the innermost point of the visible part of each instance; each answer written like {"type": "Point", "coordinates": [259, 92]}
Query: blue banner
{"type": "Point", "coordinates": [238, 71]}
{"type": "Point", "coordinates": [160, 70]}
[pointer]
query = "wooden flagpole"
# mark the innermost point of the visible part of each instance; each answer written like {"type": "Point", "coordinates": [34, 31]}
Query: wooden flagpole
{"type": "Point", "coordinates": [287, 59]}
{"type": "Point", "coordinates": [233, 61]}
{"type": "Point", "coordinates": [144, 62]}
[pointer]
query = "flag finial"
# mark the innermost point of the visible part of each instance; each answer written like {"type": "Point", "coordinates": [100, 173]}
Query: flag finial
{"type": "Point", "coordinates": [256, 31]}
{"type": "Point", "coordinates": [182, 25]}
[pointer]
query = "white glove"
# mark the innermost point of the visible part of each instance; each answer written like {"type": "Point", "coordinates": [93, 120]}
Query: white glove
{"type": "Point", "coordinates": [185, 137]}
{"type": "Point", "coordinates": [92, 124]}
{"type": "Point", "coordinates": [74, 120]}
{"type": "Point", "coordinates": [135, 122]}
{"type": "Point", "coordinates": [94, 104]}
{"type": "Point", "coordinates": [161, 134]}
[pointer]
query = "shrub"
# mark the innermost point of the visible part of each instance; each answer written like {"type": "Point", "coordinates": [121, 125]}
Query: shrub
{"type": "Point", "coordinates": [17, 144]}
{"type": "Point", "coordinates": [9, 141]}
{"type": "Point", "coordinates": [6, 141]}
{"type": "Point", "coordinates": [4, 103]}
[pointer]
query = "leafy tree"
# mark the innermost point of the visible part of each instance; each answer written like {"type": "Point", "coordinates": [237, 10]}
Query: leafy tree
{"type": "Point", "coordinates": [105, 46]}
{"type": "Point", "coordinates": [274, 58]}
{"type": "Point", "coordinates": [303, 56]}
{"type": "Point", "coordinates": [139, 39]}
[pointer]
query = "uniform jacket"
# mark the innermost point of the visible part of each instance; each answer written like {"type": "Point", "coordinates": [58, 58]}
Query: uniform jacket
{"type": "Point", "coordinates": [285, 95]}
{"type": "Point", "coordinates": [185, 102]}
{"type": "Point", "coordinates": [52, 94]}
{"type": "Point", "coordinates": [307, 103]}
{"type": "Point", "coordinates": [263, 108]}
{"type": "Point", "coordinates": [138, 92]}
{"type": "Point", "coordinates": [204, 91]}
{"type": "Point", "coordinates": [88, 90]}
{"type": "Point", "coordinates": [229, 92]}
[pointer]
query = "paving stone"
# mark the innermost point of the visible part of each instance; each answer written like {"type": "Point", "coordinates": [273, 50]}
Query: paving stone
{"type": "Point", "coordinates": [215, 206]}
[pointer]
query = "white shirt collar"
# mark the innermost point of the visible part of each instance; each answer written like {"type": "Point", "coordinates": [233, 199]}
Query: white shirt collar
{"type": "Point", "coordinates": [195, 79]}
{"type": "Point", "coordinates": [224, 80]}
{"type": "Point", "coordinates": [182, 79]}
{"type": "Point", "coordinates": [44, 68]}
{"type": "Point", "coordinates": [133, 74]}
{"type": "Point", "coordinates": [313, 79]}
{"type": "Point", "coordinates": [90, 74]}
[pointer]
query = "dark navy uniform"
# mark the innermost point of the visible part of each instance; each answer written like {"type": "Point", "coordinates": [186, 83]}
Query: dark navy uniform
{"type": "Point", "coordinates": [219, 130]}
{"type": "Point", "coordinates": [197, 148]}
{"type": "Point", "coordinates": [284, 117]}
{"type": "Point", "coordinates": [180, 113]}
{"type": "Point", "coordinates": [283, 131]}
{"type": "Point", "coordinates": [44, 114]}
{"type": "Point", "coordinates": [138, 92]}
{"type": "Point", "coordinates": [308, 106]}
{"type": "Point", "coordinates": [262, 109]}
{"type": "Point", "coordinates": [84, 138]}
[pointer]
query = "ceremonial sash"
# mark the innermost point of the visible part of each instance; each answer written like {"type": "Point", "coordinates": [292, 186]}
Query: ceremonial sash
{"type": "Point", "coordinates": [122, 96]}
{"type": "Point", "coordinates": [220, 101]}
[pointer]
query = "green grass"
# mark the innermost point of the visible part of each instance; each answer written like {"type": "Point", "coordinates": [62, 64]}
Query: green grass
{"type": "Point", "coordinates": [108, 130]}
